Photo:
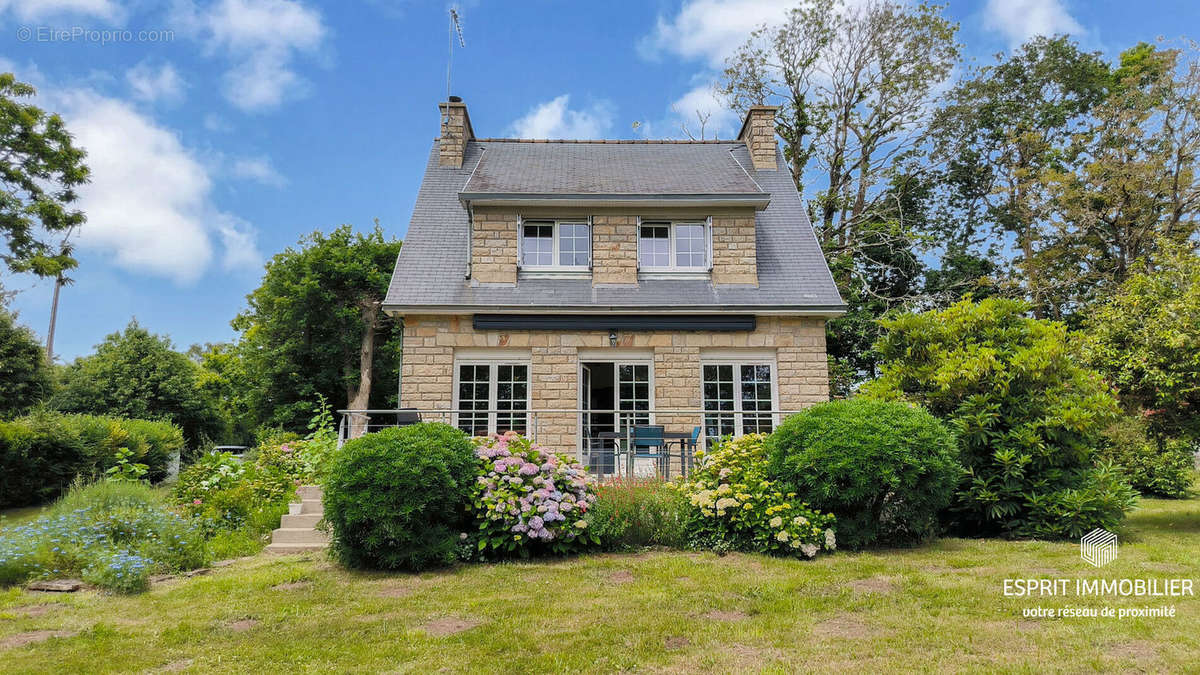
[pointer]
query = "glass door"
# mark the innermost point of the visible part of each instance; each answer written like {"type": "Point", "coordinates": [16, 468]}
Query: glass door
{"type": "Point", "coordinates": [633, 394]}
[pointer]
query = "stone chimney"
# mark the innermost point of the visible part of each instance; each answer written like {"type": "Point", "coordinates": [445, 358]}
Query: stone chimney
{"type": "Point", "coordinates": [758, 132]}
{"type": "Point", "coordinates": [456, 131]}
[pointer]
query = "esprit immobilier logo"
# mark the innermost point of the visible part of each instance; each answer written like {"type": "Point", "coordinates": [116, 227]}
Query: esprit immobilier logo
{"type": "Point", "coordinates": [1098, 547]}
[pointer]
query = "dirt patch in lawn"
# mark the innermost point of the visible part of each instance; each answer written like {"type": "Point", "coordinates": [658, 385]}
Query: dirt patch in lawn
{"type": "Point", "coordinates": [176, 666]}
{"type": "Point", "coordinates": [677, 642]}
{"type": "Point", "coordinates": [242, 625]}
{"type": "Point", "coordinates": [844, 626]}
{"type": "Point", "coordinates": [877, 585]}
{"type": "Point", "coordinates": [1142, 652]}
{"type": "Point", "coordinates": [32, 611]}
{"type": "Point", "coordinates": [32, 637]}
{"type": "Point", "coordinates": [449, 625]}
{"type": "Point", "coordinates": [621, 577]}
{"type": "Point", "coordinates": [293, 586]}
{"type": "Point", "coordinates": [1166, 568]}
{"type": "Point", "coordinates": [725, 615]}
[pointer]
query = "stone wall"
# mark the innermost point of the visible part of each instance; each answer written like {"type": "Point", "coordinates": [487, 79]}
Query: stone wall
{"type": "Point", "coordinates": [734, 259]}
{"type": "Point", "coordinates": [430, 343]}
{"type": "Point", "coordinates": [494, 247]}
{"type": "Point", "coordinates": [614, 249]}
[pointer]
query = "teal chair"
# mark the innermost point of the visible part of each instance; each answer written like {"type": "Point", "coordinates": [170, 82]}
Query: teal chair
{"type": "Point", "coordinates": [648, 442]}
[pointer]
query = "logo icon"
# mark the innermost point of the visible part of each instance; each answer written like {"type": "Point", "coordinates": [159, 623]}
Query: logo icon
{"type": "Point", "coordinates": [1098, 547]}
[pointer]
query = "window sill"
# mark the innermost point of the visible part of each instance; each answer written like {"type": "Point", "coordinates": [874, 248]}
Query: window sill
{"type": "Point", "coordinates": [554, 273]}
{"type": "Point", "coordinates": [673, 273]}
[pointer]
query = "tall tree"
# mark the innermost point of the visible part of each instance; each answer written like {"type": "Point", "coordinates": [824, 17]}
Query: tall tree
{"type": "Point", "coordinates": [223, 378]}
{"type": "Point", "coordinates": [137, 374]}
{"type": "Point", "coordinates": [39, 172]}
{"type": "Point", "coordinates": [1136, 186]}
{"type": "Point", "coordinates": [24, 374]}
{"type": "Point", "coordinates": [1003, 128]}
{"type": "Point", "coordinates": [316, 326]}
{"type": "Point", "coordinates": [854, 106]}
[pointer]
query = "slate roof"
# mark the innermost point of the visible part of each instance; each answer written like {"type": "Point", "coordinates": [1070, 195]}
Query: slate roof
{"type": "Point", "coordinates": [431, 270]}
{"type": "Point", "coordinates": [609, 169]}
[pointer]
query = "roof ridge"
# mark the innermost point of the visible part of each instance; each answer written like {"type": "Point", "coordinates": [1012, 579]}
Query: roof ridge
{"type": "Point", "coordinates": [603, 141]}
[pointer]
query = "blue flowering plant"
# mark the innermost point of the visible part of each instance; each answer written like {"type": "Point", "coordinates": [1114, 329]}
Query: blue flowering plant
{"type": "Point", "coordinates": [112, 533]}
{"type": "Point", "coordinates": [529, 500]}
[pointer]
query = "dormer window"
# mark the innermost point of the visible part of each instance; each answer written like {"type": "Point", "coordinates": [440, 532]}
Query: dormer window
{"type": "Point", "coordinates": [673, 247]}
{"type": "Point", "coordinates": [549, 245]}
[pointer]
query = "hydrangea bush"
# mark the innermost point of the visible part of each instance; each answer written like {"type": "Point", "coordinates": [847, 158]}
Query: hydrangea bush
{"type": "Point", "coordinates": [529, 499]}
{"type": "Point", "coordinates": [735, 507]}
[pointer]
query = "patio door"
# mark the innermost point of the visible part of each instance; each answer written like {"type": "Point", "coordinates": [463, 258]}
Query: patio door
{"type": "Point", "coordinates": [633, 394]}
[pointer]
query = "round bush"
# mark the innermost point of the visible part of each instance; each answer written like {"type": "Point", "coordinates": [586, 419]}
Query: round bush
{"type": "Point", "coordinates": [399, 498]}
{"type": "Point", "coordinates": [884, 469]}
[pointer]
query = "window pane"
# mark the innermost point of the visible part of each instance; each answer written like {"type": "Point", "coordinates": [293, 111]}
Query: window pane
{"type": "Point", "coordinates": [633, 386]}
{"type": "Point", "coordinates": [756, 397]}
{"type": "Point", "coordinates": [473, 395]}
{"type": "Point", "coordinates": [537, 244]}
{"type": "Point", "coordinates": [654, 246]}
{"type": "Point", "coordinates": [511, 384]}
{"type": "Point", "coordinates": [574, 244]}
{"type": "Point", "coordinates": [690, 246]}
{"type": "Point", "coordinates": [718, 396]}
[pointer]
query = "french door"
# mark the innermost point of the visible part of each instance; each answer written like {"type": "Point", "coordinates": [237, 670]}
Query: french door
{"type": "Point", "coordinates": [492, 397]}
{"type": "Point", "coordinates": [738, 398]}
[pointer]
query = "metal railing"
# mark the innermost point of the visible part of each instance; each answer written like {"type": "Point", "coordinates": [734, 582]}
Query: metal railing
{"type": "Point", "coordinates": [604, 455]}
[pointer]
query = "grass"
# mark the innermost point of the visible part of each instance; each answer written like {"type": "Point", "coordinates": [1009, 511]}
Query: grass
{"type": "Point", "coordinates": [934, 608]}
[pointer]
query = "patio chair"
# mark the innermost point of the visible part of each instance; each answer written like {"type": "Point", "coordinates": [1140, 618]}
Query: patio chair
{"type": "Point", "coordinates": [648, 443]}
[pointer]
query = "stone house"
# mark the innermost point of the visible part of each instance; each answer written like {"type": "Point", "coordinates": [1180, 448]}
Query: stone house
{"type": "Point", "coordinates": [571, 287]}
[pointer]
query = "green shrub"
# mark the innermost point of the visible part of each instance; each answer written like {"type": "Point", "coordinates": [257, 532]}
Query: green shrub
{"type": "Point", "coordinates": [1166, 471]}
{"type": "Point", "coordinates": [734, 507]}
{"type": "Point", "coordinates": [400, 498]}
{"type": "Point", "coordinates": [885, 469]}
{"type": "Point", "coordinates": [113, 533]}
{"type": "Point", "coordinates": [226, 494]}
{"type": "Point", "coordinates": [39, 457]}
{"type": "Point", "coordinates": [1027, 417]}
{"type": "Point", "coordinates": [41, 454]}
{"type": "Point", "coordinates": [529, 500]}
{"type": "Point", "coordinates": [632, 513]}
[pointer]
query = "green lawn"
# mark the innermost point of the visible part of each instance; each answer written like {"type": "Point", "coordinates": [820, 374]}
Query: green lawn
{"type": "Point", "coordinates": [937, 608]}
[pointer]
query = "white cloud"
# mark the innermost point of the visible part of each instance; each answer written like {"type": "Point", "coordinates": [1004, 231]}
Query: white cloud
{"type": "Point", "coordinates": [263, 39]}
{"type": "Point", "coordinates": [258, 169]}
{"type": "Point", "coordinates": [554, 119]}
{"type": "Point", "coordinates": [148, 203]}
{"type": "Point", "coordinates": [712, 30]}
{"type": "Point", "coordinates": [1020, 20]}
{"type": "Point", "coordinates": [703, 101]}
{"type": "Point", "coordinates": [155, 83]}
{"type": "Point", "coordinates": [35, 10]}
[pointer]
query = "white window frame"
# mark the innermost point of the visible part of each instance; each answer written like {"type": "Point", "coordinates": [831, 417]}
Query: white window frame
{"type": "Point", "coordinates": [673, 267]}
{"type": "Point", "coordinates": [493, 372]}
{"type": "Point", "coordinates": [738, 413]}
{"type": "Point", "coordinates": [556, 223]}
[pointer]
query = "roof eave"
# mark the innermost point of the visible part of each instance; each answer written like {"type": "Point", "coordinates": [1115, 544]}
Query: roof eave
{"type": "Point", "coordinates": [757, 200]}
{"type": "Point", "coordinates": [828, 311]}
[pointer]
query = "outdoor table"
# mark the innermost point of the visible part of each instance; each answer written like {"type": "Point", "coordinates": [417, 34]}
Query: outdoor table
{"type": "Point", "coordinates": [624, 440]}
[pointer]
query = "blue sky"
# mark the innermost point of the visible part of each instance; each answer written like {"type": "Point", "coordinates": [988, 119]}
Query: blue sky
{"type": "Point", "coordinates": [250, 123]}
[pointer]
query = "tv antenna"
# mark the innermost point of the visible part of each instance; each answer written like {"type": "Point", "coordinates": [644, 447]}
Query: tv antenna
{"type": "Point", "coordinates": [455, 29]}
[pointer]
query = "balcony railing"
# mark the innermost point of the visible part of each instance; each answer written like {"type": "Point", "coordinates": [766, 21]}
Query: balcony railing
{"type": "Point", "coordinates": [602, 439]}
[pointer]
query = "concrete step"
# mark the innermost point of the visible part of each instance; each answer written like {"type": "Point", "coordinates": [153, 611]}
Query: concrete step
{"type": "Point", "coordinates": [305, 520]}
{"type": "Point", "coordinates": [311, 506]}
{"type": "Point", "coordinates": [309, 491]}
{"type": "Point", "coordinates": [289, 549]}
{"type": "Point", "coordinates": [298, 535]}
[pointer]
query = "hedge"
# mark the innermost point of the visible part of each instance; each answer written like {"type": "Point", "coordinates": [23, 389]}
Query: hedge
{"type": "Point", "coordinates": [41, 454]}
